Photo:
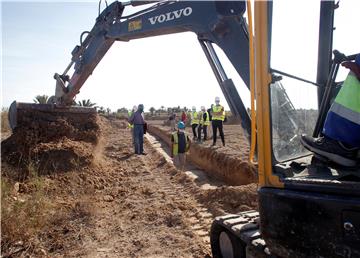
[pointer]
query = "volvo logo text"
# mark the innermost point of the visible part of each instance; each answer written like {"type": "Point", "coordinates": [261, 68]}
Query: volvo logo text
{"type": "Point", "coordinates": [170, 16]}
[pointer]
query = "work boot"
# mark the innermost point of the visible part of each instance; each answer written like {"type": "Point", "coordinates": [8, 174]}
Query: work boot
{"type": "Point", "coordinates": [331, 149]}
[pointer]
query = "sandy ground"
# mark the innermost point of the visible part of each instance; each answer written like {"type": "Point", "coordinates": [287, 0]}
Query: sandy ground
{"type": "Point", "coordinates": [126, 205]}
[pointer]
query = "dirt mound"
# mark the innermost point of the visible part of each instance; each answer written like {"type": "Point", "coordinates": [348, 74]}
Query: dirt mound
{"type": "Point", "coordinates": [52, 142]}
{"type": "Point", "coordinates": [231, 199]}
{"type": "Point", "coordinates": [232, 170]}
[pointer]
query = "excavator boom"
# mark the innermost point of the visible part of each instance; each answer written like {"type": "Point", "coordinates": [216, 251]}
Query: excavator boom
{"type": "Point", "coordinates": [219, 22]}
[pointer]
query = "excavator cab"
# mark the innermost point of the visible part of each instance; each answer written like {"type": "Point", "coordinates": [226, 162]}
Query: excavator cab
{"type": "Point", "coordinates": [308, 205]}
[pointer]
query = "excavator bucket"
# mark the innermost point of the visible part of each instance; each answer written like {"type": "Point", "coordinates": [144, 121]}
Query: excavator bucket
{"type": "Point", "coordinates": [23, 114]}
{"type": "Point", "coordinates": [50, 137]}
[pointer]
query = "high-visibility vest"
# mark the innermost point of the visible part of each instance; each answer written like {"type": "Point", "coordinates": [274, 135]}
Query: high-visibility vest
{"type": "Point", "coordinates": [194, 118]}
{"type": "Point", "coordinates": [207, 120]}
{"type": "Point", "coordinates": [129, 115]}
{"type": "Point", "coordinates": [175, 149]}
{"type": "Point", "coordinates": [218, 109]}
{"type": "Point", "coordinates": [343, 119]}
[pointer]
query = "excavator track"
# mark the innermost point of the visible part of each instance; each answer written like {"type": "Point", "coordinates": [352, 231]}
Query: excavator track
{"type": "Point", "coordinates": [238, 235]}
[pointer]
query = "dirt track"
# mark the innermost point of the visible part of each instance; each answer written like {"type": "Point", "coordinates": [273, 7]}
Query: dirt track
{"type": "Point", "coordinates": [125, 205]}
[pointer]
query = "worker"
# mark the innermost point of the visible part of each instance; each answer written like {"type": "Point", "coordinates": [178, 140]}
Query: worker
{"type": "Point", "coordinates": [204, 123]}
{"type": "Point", "coordinates": [340, 142]}
{"type": "Point", "coordinates": [209, 110]}
{"type": "Point", "coordinates": [194, 122]}
{"type": "Point", "coordinates": [130, 126]}
{"type": "Point", "coordinates": [218, 116]}
{"type": "Point", "coordinates": [183, 117]}
{"type": "Point", "coordinates": [180, 144]}
{"type": "Point", "coordinates": [137, 119]}
{"type": "Point", "coordinates": [130, 112]}
{"type": "Point", "coordinates": [199, 128]}
{"type": "Point", "coordinates": [172, 120]}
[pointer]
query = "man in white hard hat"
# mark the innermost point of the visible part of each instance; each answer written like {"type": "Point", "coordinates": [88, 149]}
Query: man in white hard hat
{"type": "Point", "coordinates": [194, 121]}
{"type": "Point", "coordinates": [218, 116]}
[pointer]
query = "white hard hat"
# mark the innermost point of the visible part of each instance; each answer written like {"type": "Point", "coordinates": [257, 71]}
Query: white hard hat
{"type": "Point", "coordinates": [202, 108]}
{"type": "Point", "coordinates": [134, 108]}
{"type": "Point", "coordinates": [193, 108]}
{"type": "Point", "coordinates": [217, 99]}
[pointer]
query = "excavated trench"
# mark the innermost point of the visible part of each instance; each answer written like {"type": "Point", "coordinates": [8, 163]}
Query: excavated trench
{"type": "Point", "coordinates": [228, 167]}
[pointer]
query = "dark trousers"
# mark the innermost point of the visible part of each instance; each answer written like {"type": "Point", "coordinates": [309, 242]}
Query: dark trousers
{"type": "Point", "coordinates": [205, 131]}
{"type": "Point", "coordinates": [215, 125]}
{"type": "Point", "coordinates": [139, 138]}
{"type": "Point", "coordinates": [199, 132]}
{"type": "Point", "coordinates": [194, 129]}
{"type": "Point", "coordinates": [202, 128]}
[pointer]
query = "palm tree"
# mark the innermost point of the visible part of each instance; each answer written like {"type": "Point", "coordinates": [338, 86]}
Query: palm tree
{"type": "Point", "coordinates": [122, 110]}
{"type": "Point", "coordinates": [152, 110]}
{"type": "Point", "coordinates": [86, 103]}
{"type": "Point", "coordinates": [41, 99]}
{"type": "Point", "coordinates": [101, 110]}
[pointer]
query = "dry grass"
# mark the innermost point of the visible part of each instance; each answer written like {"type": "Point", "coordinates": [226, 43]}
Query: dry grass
{"type": "Point", "coordinates": [23, 205]}
{"type": "Point", "coordinates": [35, 218]}
{"type": "Point", "coordinates": [5, 128]}
{"type": "Point", "coordinates": [24, 212]}
{"type": "Point", "coordinates": [33, 223]}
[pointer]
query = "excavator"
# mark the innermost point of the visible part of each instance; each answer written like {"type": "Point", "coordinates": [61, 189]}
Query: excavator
{"type": "Point", "coordinates": [308, 206]}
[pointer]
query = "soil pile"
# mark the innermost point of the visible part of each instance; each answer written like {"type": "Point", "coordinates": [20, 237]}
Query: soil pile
{"type": "Point", "coordinates": [231, 199]}
{"type": "Point", "coordinates": [52, 142]}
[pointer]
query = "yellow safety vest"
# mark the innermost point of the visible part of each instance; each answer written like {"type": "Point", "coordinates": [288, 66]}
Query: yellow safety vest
{"type": "Point", "coordinates": [194, 118]}
{"type": "Point", "coordinates": [129, 115]}
{"type": "Point", "coordinates": [202, 121]}
{"type": "Point", "coordinates": [216, 109]}
{"type": "Point", "coordinates": [175, 149]}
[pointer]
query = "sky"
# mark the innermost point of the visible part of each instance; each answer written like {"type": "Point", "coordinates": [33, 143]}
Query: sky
{"type": "Point", "coordinates": [38, 37]}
